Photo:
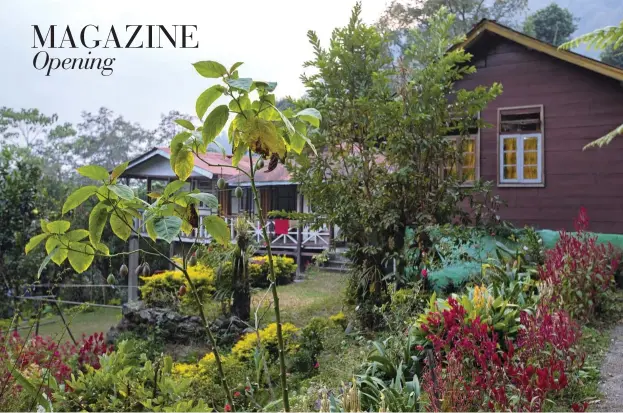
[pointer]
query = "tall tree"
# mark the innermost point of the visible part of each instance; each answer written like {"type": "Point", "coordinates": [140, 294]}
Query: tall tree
{"type": "Point", "coordinates": [401, 14]}
{"type": "Point", "coordinates": [108, 140]}
{"type": "Point", "coordinates": [382, 149]}
{"type": "Point", "coordinates": [552, 24]}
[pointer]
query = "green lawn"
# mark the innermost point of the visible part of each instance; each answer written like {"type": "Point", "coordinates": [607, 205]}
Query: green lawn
{"type": "Point", "coordinates": [319, 294]}
{"type": "Point", "coordinates": [98, 320]}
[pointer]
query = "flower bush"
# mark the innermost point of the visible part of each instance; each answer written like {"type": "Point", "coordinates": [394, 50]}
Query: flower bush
{"type": "Point", "coordinates": [245, 347]}
{"type": "Point", "coordinates": [285, 270]}
{"type": "Point", "coordinates": [469, 366]}
{"type": "Point", "coordinates": [578, 271]}
{"type": "Point", "coordinates": [204, 379]}
{"type": "Point", "coordinates": [161, 289]}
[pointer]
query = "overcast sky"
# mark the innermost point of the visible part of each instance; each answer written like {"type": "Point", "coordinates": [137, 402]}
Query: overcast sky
{"type": "Point", "coordinates": [268, 35]}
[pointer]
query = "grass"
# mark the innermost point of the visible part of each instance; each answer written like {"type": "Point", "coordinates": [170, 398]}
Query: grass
{"type": "Point", "coordinates": [96, 321]}
{"type": "Point", "coordinates": [320, 294]}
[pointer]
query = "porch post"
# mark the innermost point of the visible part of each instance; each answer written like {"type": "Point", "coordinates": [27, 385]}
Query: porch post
{"type": "Point", "coordinates": [299, 237]}
{"type": "Point", "coordinates": [132, 266]}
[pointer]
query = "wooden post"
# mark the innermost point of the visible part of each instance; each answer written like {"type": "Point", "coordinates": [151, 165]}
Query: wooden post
{"type": "Point", "coordinates": [299, 239]}
{"type": "Point", "coordinates": [132, 266]}
{"type": "Point", "coordinates": [171, 253]}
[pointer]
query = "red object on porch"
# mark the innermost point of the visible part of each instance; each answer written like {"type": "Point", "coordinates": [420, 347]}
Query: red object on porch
{"type": "Point", "coordinates": [282, 226]}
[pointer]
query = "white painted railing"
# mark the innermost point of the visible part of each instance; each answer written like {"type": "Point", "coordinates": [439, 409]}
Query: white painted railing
{"type": "Point", "coordinates": [311, 238]}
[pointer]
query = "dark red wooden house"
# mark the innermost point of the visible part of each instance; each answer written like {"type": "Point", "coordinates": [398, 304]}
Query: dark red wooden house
{"type": "Point", "coordinates": [554, 102]}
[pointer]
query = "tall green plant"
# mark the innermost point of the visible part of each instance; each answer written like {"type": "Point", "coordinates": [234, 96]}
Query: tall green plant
{"type": "Point", "coordinates": [383, 141]}
{"type": "Point", "coordinates": [258, 130]}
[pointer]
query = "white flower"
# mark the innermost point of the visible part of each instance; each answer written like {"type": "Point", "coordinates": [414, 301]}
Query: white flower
{"type": "Point", "coordinates": [525, 248]}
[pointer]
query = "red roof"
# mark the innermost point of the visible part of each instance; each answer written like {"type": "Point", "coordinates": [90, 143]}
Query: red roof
{"type": "Point", "coordinates": [210, 161]}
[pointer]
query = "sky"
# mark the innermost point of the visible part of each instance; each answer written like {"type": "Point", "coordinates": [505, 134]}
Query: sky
{"type": "Point", "coordinates": [269, 36]}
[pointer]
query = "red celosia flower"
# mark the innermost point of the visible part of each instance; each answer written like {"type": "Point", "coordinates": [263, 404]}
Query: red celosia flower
{"type": "Point", "coordinates": [317, 365]}
{"type": "Point", "coordinates": [227, 408]}
{"type": "Point", "coordinates": [237, 394]}
{"type": "Point", "coordinates": [424, 273]}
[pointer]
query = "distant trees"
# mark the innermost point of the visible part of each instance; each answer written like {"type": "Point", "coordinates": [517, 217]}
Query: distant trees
{"type": "Point", "coordinates": [552, 24]}
{"type": "Point", "coordinates": [402, 14]}
{"type": "Point", "coordinates": [612, 56]}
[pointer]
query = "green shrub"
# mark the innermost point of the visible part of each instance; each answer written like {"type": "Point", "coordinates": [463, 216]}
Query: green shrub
{"type": "Point", "coordinates": [161, 290]}
{"type": "Point", "coordinates": [204, 378]}
{"type": "Point", "coordinates": [123, 383]}
{"type": "Point", "coordinates": [285, 270]}
{"type": "Point", "coordinates": [305, 360]}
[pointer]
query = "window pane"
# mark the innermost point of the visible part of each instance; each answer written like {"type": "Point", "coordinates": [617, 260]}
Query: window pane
{"type": "Point", "coordinates": [530, 172]}
{"type": "Point", "coordinates": [530, 144]}
{"type": "Point", "coordinates": [469, 160]}
{"type": "Point", "coordinates": [469, 174]}
{"type": "Point", "coordinates": [510, 144]}
{"type": "Point", "coordinates": [510, 158]}
{"type": "Point", "coordinates": [469, 145]}
{"type": "Point", "coordinates": [530, 158]}
{"type": "Point", "coordinates": [510, 172]}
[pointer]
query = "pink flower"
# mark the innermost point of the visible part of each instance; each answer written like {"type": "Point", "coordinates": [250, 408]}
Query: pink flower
{"type": "Point", "coordinates": [237, 394]}
{"type": "Point", "coordinates": [424, 273]}
{"type": "Point", "coordinates": [227, 408]}
{"type": "Point", "coordinates": [317, 365]}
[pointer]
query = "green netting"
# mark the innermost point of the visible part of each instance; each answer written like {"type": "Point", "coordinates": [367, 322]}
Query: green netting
{"type": "Point", "coordinates": [551, 237]}
{"type": "Point", "coordinates": [464, 261]}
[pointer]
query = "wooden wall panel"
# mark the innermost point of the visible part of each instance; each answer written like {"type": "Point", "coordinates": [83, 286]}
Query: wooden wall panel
{"type": "Point", "coordinates": [578, 106]}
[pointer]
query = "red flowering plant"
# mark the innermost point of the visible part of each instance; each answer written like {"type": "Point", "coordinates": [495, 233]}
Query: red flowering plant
{"type": "Point", "coordinates": [468, 365]}
{"type": "Point", "coordinates": [578, 271]}
{"type": "Point", "coordinates": [40, 357]}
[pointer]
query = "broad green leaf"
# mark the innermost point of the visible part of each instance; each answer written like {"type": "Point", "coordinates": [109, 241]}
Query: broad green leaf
{"type": "Point", "coordinates": [168, 227]}
{"type": "Point", "coordinates": [243, 83]}
{"type": "Point", "coordinates": [208, 200]}
{"type": "Point", "coordinates": [311, 116]}
{"type": "Point", "coordinates": [241, 104]}
{"type": "Point", "coordinates": [121, 223]}
{"type": "Point", "coordinates": [102, 248]}
{"type": "Point", "coordinates": [58, 227]}
{"type": "Point", "coordinates": [44, 226]}
{"type": "Point", "coordinates": [119, 169]}
{"type": "Point", "coordinates": [97, 221]}
{"type": "Point", "coordinates": [172, 187]}
{"type": "Point", "coordinates": [80, 256]}
{"type": "Point", "coordinates": [235, 66]}
{"type": "Point", "coordinates": [267, 86]}
{"type": "Point", "coordinates": [77, 234]}
{"type": "Point", "coordinates": [210, 69]}
{"type": "Point", "coordinates": [185, 124]}
{"type": "Point", "coordinates": [78, 197]}
{"type": "Point", "coordinates": [34, 241]}
{"type": "Point", "coordinates": [151, 230]}
{"type": "Point", "coordinates": [55, 248]}
{"type": "Point", "coordinates": [217, 227]}
{"type": "Point", "coordinates": [45, 262]}
{"type": "Point", "coordinates": [95, 172]}
{"type": "Point", "coordinates": [122, 191]}
{"type": "Point", "coordinates": [177, 143]}
{"type": "Point", "coordinates": [207, 98]}
{"type": "Point", "coordinates": [214, 123]}
{"type": "Point", "coordinates": [239, 152]}
{"type": "Point", "coordinates": [184, 164]}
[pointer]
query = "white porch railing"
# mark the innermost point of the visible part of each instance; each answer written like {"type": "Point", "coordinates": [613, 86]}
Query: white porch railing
{"type": "Point", "coordinates": [311, 238]}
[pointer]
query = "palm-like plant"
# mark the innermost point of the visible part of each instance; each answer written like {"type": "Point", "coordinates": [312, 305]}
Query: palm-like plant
{"type": "Point", "coordinates": [600, 39]}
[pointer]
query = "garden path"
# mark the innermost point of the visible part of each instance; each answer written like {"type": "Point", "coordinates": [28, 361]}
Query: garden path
{"type": "Point", "coordinates": [612, 374]}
